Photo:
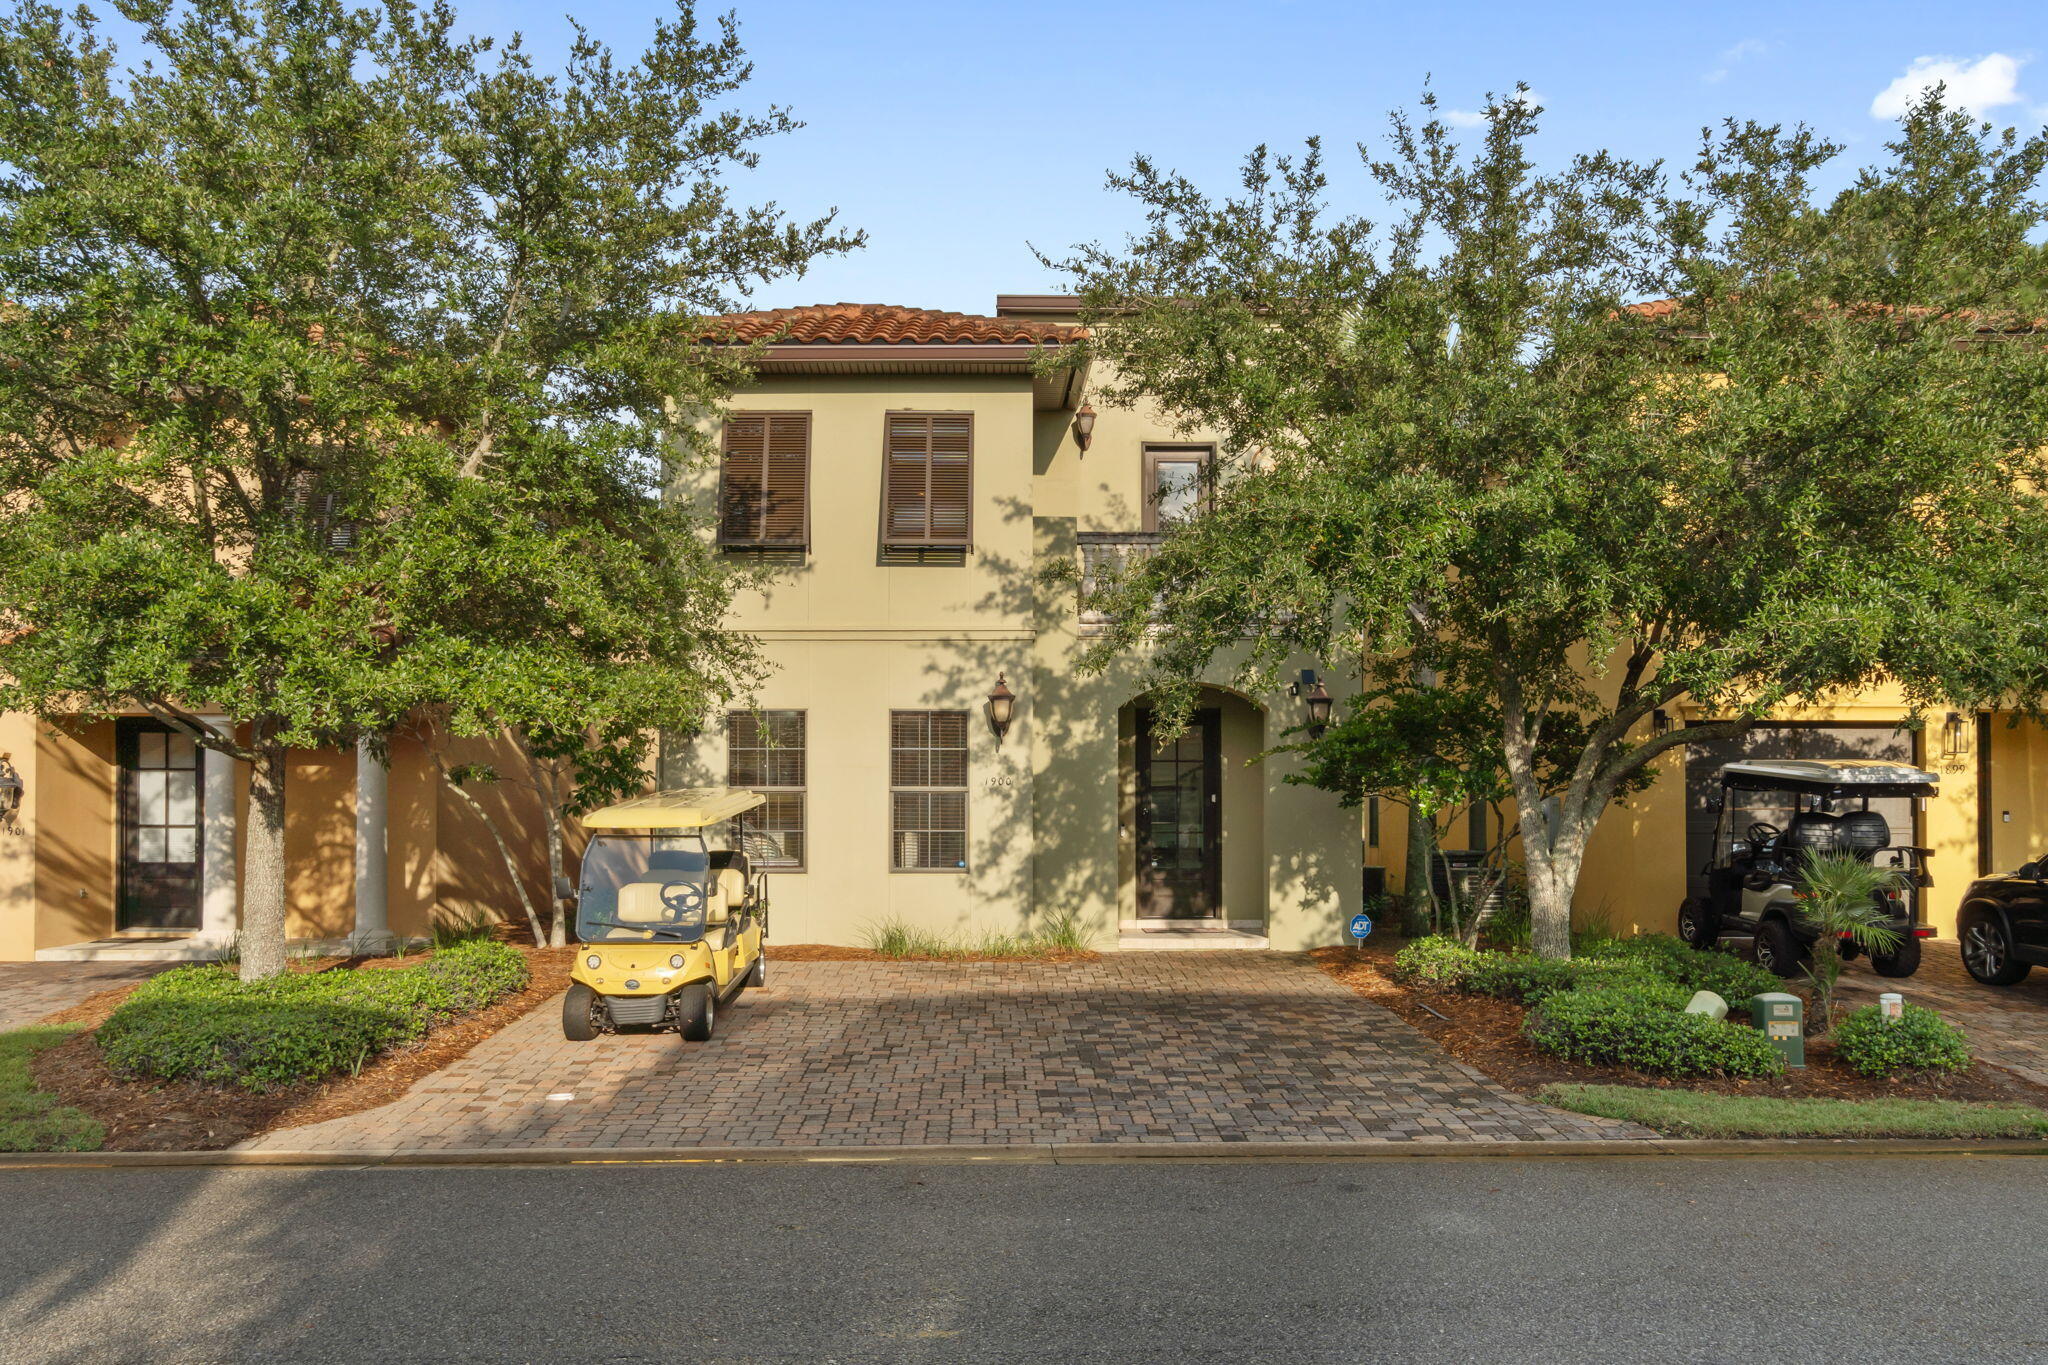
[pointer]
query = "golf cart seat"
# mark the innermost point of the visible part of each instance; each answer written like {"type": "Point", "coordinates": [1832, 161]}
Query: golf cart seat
{"type": "Point", "coordinates": [1865, 832]}
{"type": "Point", "coordinates": [640, 903]}
{"type": "Point", "coordinates": [1815, 833]}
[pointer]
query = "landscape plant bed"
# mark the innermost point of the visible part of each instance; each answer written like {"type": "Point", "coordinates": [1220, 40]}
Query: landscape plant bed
{"type": "Point", "coordinates": [158, 1116]}
{"type": "Point", "coordinates": [1485, 1033]}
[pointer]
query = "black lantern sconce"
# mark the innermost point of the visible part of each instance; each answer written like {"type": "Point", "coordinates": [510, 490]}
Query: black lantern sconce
{"type": "Point", "coordinates": [1316, 697]}
{"type": "Point", "coordinates": [1660, 723]}
{"type": "Point", "coordinates": [1955, 735]}
{"type": "Point", "coordinates": [1084, 427]}
{"type": "Point", "coordinates": [11, 790]}
{"type": "Point", "coordinates": [1002, 709]}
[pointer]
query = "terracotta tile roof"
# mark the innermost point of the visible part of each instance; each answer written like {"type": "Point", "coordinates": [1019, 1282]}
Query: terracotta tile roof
{"type": "Point", "coordinates": [1664, 308]}
{"type": "Point", "coordinates": [885, 324]}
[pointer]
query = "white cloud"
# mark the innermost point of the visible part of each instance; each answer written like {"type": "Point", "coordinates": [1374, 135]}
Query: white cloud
{"type": "Point", "coordinates": [1741, 52]}
{"type": "Point", "coordinates": [1979, 85]}
{"type": "Point", "coordinates": [1472, 118]}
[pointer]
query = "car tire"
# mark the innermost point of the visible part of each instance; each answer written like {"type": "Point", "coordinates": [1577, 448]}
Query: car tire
{"type": "Point", "coordinates": [1777, 950]}
{"type": "Point", "coordinates": [1904, 962]}
{"type": "Point", "coordinates": [579, 1013]}
{"type": "Point", "coordinates": [1698, 925]}
{"type": "Point", "coordinates": [697, 1011]}
{"type": "Point", "coordinates": [757, 975]}
{"type": "Point", "coordinates": [1992, 961]}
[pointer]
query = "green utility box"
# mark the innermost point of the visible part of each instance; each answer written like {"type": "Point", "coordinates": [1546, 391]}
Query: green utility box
{"type": "Point", "coordinates": [1782, 1017]}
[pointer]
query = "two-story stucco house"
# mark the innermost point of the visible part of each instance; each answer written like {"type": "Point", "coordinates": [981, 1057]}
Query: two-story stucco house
{"type": "Point", "coordinates": [900, 476]}
{"type": "Point", "coordinates": [904, 475]}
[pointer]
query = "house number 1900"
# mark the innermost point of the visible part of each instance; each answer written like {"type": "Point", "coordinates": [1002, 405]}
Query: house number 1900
{"type": "Point", "coordinates": [999, 782]}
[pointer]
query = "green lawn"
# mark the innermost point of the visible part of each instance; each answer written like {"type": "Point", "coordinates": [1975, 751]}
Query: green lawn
{"type": "Point", "coordinates": [1689, 1113]}
{"type": "Point", "coordinates": [31, 1121]}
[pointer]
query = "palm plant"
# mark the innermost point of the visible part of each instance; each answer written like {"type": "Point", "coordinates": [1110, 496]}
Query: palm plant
{"type": "Point", "coordinates": [1842, 896]}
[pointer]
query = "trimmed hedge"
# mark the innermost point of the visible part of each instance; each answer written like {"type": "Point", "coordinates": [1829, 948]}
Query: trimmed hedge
{"type": "Point", "coordinates": [1920, 1040]}
{"type": "Point", "coordinates": [1674, 960]}
{"type": "Point", "coordinates": [1437, 961]}
{"type": "Point", "coordinates": [1646, 1027]}
{"type": "Point", "coordinates": [1517, 976]}
{"type": "Point", "coordinates": [203, 1024]}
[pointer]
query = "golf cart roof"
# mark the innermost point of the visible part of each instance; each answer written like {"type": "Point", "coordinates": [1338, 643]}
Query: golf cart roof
{"type": "Point", "coordinates": [1836, 777]}
{"type": "Point", "coordinates": [688, 808]}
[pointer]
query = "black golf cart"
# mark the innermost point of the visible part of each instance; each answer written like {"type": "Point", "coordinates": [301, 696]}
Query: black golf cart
{"type": "Point", "coordinates": [1775, 814]}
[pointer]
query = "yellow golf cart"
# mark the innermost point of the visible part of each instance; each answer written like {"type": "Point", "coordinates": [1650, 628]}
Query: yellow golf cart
{"type": "Point", "coordinates": [671, 930]}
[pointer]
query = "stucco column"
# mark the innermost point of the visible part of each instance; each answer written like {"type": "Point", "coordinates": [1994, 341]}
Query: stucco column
{"type": "Point", "coordinates": [219, 873]}
{"type": "Point", "coordinates": [373, 805]}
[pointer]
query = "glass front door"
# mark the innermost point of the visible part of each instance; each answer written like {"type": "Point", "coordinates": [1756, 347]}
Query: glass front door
{"type": "Point", "coordinates": [160, 814]}
{"type": "Point", "coordinates": [1180, 820]}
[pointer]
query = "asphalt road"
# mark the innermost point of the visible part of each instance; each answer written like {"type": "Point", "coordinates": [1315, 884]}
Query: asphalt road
{"type": "Point", "coordinates": [1792, 1259]}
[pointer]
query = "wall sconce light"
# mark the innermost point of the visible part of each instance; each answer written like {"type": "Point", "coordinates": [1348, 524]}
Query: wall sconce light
{"type": "Point", "coordinates": [10, 792]}
{"type": "Point", "coordinates": [1955, 735]}
{"type": "Point", "coordinates": [1084, 427]}
{"type": "Point", "coordinates": [1002, 709]}
{"type": "Point", "coordinates": [1660, 723]}
{"type": "Point", "coordinates": [1316, 697]}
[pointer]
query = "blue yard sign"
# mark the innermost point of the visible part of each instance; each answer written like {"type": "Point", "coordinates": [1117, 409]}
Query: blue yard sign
{"type": "Point", "coordinates": [1361, 925]}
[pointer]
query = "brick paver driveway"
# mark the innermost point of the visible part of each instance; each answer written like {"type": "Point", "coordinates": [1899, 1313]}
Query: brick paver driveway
{"type": "Point", "coordinates": [1136, 1047]}
{"type": "Point", "coordinates": [2008, 1025]}
{"type": "Point", "coordinates": [30, 990]}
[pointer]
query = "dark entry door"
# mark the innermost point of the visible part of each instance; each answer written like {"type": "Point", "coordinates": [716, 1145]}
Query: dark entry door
{"type": "Point", "coordinates": [160, 815]}
{"type": "Point", "coordinates": [1180, 820]}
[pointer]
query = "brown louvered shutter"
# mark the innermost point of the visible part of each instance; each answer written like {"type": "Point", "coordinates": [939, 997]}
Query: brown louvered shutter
{"type": "Point", "coordinates": [928, 480]}
{"type": "Point", "coordinates": [764, 482]}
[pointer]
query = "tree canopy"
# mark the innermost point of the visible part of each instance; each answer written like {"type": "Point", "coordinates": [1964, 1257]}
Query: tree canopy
{"type": "Point", "coordinates": [341, 361]}
{"type": "Point", "coordinates": [1598, 440]}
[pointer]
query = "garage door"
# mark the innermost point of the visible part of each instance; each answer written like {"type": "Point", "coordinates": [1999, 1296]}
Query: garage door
{"type": "Point", "coordinates": [1702, 781]}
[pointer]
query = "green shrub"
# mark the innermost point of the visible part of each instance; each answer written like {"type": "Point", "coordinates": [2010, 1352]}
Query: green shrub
{"type": "Point", "coordinates": [1437, 961]}
{"type": "Point", "coordinates": [1518, 976]}
{"type": "Point", "coordinates": [1645, 1026]}
{"type": "Point", "coordinates": [202, 1023]}
{"type": "Point", "coordinates": [1675, 960]}
{"type": "Point", "coordinates": [1920, 1040]}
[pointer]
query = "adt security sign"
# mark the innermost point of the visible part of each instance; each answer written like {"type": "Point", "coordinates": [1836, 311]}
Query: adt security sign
{"type": "Point", "coordinates": [1361, 925]}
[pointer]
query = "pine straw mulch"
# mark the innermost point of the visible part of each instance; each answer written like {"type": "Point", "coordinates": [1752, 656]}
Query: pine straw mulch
{"type": "Point", "coordinates": [1486, 1035]}
{"type": "Point", "coordinates": [163, 1116]}
{"type": "Point", "coordinates": [830, 952]}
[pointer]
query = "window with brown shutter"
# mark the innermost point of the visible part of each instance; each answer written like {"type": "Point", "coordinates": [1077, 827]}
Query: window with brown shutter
{"type": "Point", "coordinates": [927, 791]}
{"type": "Point", "coordinates": [927, 480]}
{"type": "Point", "coordinates": [764, 481]}
{"type": "Point", "coordinates": [765, 752]}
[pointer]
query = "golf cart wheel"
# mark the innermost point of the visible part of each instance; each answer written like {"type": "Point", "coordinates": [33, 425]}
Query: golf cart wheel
{"type": "Point", "coordinates": [579, 1013]}
{"type": "Point", "coordinates": [1777, 951]}
{"type": "Point", "coordinates": [1698, 925]}
{"type": "Point", "coordinates": [1987, 952]}
{"type": "Point", "coordinates": [697, 1011]}
{"type": "Point", "coordinates": [1904, 962]}
{"type": "Point", "coordinates": [757, 975]}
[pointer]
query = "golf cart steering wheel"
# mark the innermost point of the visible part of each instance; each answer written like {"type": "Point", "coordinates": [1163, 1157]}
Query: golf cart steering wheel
{"type": "Point", "coordinates": [682, 897]}
{"type": "Point", "coordinates": [1761, 833]}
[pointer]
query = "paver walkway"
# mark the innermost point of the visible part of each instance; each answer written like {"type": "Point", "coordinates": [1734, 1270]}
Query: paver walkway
{"type": "Point", "coordinates": [1135, 1047]}
{"type": "Point", "coordinates": [30, 990]}
{"type": "Point", "coordinates": [2008, 1025]}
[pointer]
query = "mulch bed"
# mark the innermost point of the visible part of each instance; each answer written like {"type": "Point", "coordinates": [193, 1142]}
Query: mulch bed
{"type": "Point", "coordinates": [1486, 1035]}
{"type": "Point", "coordinates": [829, 952]}
{"type": "Point", "coordinates": [162, 1116]}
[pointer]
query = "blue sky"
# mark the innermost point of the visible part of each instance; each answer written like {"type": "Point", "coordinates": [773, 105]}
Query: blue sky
{"type": "Point", "coordinates": [959, 133]}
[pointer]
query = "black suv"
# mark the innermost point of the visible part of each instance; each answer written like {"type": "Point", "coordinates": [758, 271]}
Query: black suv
{"type": "Point", "coordinates": [2003, 924]}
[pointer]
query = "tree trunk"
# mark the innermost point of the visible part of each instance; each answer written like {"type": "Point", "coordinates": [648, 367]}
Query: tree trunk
{"type": "Point", "coordinates": [1416, 891]}
{"type": "Point", "coordinates": [1553, 877]}
{"type": "Point", "coordinates": [263, 903]}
